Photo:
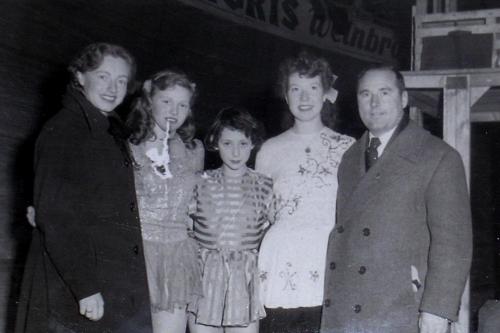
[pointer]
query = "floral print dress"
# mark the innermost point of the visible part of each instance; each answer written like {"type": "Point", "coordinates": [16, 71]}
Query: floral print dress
{"type": "Point", "coordinates": [293, 251]}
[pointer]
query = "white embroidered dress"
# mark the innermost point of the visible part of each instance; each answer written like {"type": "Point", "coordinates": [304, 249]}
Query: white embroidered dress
{"type": "Point", "coordinates": [293, 251]}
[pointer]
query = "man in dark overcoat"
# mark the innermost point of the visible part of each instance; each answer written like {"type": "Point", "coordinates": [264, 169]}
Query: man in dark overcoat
{"type": "Point", "coordinates": [399, 256]}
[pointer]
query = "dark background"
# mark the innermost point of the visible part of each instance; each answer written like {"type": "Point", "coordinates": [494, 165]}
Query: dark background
{"type": "Point", "coordinates": [231, 64]}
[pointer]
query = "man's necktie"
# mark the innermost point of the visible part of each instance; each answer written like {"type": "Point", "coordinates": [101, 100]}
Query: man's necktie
{"type": "Point", "coordinates": [371, 153]}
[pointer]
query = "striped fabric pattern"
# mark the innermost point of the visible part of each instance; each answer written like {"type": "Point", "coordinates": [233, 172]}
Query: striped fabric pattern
{"type": "Point", "coordinates": [231, 213]}
{"type": "Point", "coordinates": [230, 216]}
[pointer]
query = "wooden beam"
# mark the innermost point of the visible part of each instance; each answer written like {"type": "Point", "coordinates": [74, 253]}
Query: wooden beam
{"type": "Point", "coordinates": [491, 79]}
{"type": "Point", "coordinates": [450, 6]}
{"type": "Point", "coordinates": [416, 115]}
{"type": "Point", "coordinates": [421, 7]}
{"type": "Point", "coordinates": [481, 77]}
{"type": "Point", "coordinates": [419, 81]}
{"type": "Point", "coordinates": [456, 131]}
{"type": "Point", "coordinates": [456, 117]}
{"type": "Point", "coordinates": [485, 117]}
{"type": "Point", "coordinates": [437, 6]}
{"type": "Point", "coordinates": [426, 101]}
{"type": "Point", "coordinates": [476, 93]}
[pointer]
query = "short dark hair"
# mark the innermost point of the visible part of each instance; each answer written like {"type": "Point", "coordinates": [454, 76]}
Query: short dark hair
{"type": "Point", "coordinates": [400, 81]}
{"type": "Point", "coordinates": [308, 65]}
{"type": "Point", "coordinates": [90, 57]}
{"type": "Point", "coordinates": [234, 118]}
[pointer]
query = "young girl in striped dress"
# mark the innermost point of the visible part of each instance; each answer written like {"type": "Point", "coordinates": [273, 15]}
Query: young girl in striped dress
{"type": "Point", "coordinates": [230, 211]}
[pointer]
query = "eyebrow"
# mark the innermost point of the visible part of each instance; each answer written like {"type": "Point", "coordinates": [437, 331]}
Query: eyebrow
{"type": "Point", "coordinates": [107, 72]}
{"type": "Point", "coordinates": [380, 89]}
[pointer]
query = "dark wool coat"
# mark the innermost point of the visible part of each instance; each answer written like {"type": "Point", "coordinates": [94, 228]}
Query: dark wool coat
{"type": "Point", "coordinates": [402, 243]}
{"type": "Point", "coordinates": [88, 236]}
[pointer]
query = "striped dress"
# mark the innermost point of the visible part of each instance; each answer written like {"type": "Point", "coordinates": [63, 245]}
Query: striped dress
{"type": "Point", "coordinates": [230, 216]}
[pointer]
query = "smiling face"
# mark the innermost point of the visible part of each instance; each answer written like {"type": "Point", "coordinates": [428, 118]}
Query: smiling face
{"type": "Point", "coordinates": [305, 97]}
{"type": "Point", "coordinates": [106, 86]}
{"type": "Point", "coordinates": [380, 101]}
{"type": "Point", "coordinates": [234, 149]}
{"type": "Point", "coordinates": [171, 105]}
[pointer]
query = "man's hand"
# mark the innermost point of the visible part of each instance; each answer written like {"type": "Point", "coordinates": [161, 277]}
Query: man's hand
{"type": "Point", "coordinates": [92, 307]}
{"type": "Point", "coordinates": [429, 323]}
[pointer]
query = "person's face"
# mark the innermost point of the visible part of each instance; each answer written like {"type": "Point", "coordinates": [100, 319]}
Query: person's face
{"type": "Point", "coordinates": [171, 105]}
{"type": "Point", "coordinates": [380, 102]}
{"type": "Point", "coordinates": [234, 149]}
{"type": "Point", "coordinates": [106, 86]}
{"type": "Point", "coordinates": [305, 97]}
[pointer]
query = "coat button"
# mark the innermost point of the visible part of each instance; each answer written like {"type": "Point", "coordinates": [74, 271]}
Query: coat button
{"type": "Point", "coordinates": [362, 270]}
{"type": "Point", "coordinates": [326, 303]}
{"type": "Point", "coordinates": [340, 229]}
{"type": "Point", "coordinates": [126, 163]}
{"type": "Point", "coordinates": [377, 176]}
{"type": "Point", "coordinates": [357, 308]}
{"type": "Point", "coordinates": [366, 232]}
{"type": "Point", "coordinates": [332, 265]}
{"type": "Point", "coordinates": [132, 206]}
{"type": "Point", "coordinates": [136, 249]}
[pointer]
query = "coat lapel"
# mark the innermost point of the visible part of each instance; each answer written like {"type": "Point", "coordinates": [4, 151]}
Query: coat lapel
{"type": "Point", "coordinates": [395, 164]}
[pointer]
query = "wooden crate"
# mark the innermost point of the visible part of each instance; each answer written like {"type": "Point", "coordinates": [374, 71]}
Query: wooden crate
{"type": "Point", "coordinates": [456, 40]}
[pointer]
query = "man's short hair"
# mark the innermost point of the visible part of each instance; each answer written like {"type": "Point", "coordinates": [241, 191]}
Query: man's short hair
{"type": "Point", "coordinates": [400, 81]}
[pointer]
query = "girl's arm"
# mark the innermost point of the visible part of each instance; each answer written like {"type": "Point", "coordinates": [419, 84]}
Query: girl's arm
{"type": "Point", "coordinates": [262, 161]}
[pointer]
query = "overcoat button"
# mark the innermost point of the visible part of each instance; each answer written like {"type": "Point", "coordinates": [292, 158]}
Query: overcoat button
{"type": "Point", "coordinates": [132, 206]}
{"type": "Point", "coordinates": [377, 176]}
{"type": "Point", "coordinates": [366, 232]}
{"type": "Point", "coordinates": [326, 303]}
{"type": "Point", "coordinates": [136, 249]}
{"type": "Point", "coordinates": [340, 229]}
{"type": "Point", "coordinates": [126, 163]}
{"type": "Point", "coordinates": [332, 265]}
{"type": "Point", "coordinates": [362, 270]}
{"type": "Point", "coordinates": [357, 308]}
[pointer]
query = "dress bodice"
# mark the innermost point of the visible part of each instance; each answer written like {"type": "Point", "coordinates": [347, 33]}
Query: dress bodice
{"type": "Point", "coordinates": [163, 202]}
{"type": "Point", "coordinates": [304, 172]}
{"type": "Point", "coordinates": [231, 212]}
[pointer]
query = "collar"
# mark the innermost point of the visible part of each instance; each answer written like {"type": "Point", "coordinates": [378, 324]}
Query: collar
{"type": "Point", "coordinates": [388, 137]}
{"type": "Point", "coordinates": [384, 139]}
{"type": "Point", "coordinates": [75, 101]}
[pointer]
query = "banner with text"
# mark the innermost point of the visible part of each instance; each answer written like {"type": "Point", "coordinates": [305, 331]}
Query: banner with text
{"type": "Point", "coordinates": [320, 23]}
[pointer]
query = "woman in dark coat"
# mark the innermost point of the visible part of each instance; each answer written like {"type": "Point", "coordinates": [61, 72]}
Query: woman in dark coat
{"type": "Point", "coordinates": [86, 271]}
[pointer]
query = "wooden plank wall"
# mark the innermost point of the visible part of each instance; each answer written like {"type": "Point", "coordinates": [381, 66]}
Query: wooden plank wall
{"type": "Point", "coordinates": [231, 64]}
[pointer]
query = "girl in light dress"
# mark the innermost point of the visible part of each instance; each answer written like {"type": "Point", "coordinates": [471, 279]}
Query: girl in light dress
{"type": "Point", "coordinates": [303, 164]}
{"type": "Point", "coordinates": [230, 211]}
{"type": "Point", "coordinates": [167, 157]}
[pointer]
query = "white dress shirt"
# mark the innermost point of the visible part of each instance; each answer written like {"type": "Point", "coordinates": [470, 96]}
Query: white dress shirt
{"type": "Point", "coordinates": [384, 140]}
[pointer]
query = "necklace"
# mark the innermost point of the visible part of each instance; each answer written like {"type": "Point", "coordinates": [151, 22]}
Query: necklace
{"type": "Point", "coordinates": [308, 140]}
{"type": "Point", "coordinates": [160, 159]}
